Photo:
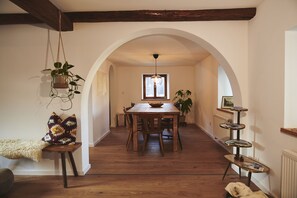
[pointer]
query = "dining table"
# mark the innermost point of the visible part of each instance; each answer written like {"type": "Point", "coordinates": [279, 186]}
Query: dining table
{"type": "Point", "coordinates": [167, 110]}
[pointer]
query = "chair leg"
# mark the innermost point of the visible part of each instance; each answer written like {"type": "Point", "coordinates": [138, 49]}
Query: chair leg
{"type": "Point", "coordinates": [145, 142]}
{"type": "Point", "coordinates": [161, 144]}
{"type": "Point", "coordinates": [179, 140]}
{"type": "Point", "coordinates": [129, 140]}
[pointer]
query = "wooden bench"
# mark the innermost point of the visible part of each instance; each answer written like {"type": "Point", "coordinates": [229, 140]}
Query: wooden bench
{"type": "Point", "coordinates": [62, 149]}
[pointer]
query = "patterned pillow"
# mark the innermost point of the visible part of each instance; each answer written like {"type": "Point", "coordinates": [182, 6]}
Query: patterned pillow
{"type": "Point", "coordinates": [61, 131]}
{"type": "Point", "coordinates": [53, 120]}
{"type": "Point", "coordinates": [70, 126]}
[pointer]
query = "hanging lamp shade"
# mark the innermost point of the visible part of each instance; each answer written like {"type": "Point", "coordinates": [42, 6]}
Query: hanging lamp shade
{"type": "Point", "coordinates": [156, 77]}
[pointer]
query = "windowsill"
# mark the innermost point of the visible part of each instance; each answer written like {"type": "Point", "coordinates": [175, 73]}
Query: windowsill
{"type": "Point", "coordinates": [225, 110]}
{"type": "Point", "coordinates": [289, 131]}
{"type": "Point", "coordinates": [147, 100]}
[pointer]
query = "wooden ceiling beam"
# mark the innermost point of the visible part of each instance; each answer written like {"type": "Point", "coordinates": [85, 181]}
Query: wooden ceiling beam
{"type": "Point", "coordinates": [50, 16]}
{"type": "Point", "coordinates": [46, 12]}
{"type": "Point", "coordinates": [8, 19]}
{"type": "Point", "coordinates": [164, 15]}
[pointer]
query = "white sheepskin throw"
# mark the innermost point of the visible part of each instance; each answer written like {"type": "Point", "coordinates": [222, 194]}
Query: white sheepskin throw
{"type": "Point", "coordinates": [16, 148]}
{"type": "Point", "coordinates": [238, 189]}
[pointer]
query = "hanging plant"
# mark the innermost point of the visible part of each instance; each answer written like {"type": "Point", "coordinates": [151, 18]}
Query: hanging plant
{"type": "Point", "coordinates": [63, 78]}
{"type": "Point", "coordinates": [64, 84]}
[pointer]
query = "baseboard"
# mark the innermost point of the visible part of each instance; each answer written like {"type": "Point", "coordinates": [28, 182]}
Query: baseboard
{"type": "Point", "coordinates": [265, 190]}
{"type": "Point", "coordinates": [50, 172]}
{"type": "Point", "coordinates": [220, 142]}
{"type": "Point", "coordinates": [205, 131]}
{"type": "Point", "coordinates": [93, 144]}
{"type": "Point", "coordinates": [40, 172]}
{"type": "Point", "coordinates": [84, 171]}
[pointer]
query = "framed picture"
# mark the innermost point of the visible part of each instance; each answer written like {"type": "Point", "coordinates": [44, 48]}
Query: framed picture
{"type": "Point", "coordinates": [227, 102]}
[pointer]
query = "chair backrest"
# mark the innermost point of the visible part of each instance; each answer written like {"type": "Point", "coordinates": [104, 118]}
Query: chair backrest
{"type": "Point", "coordinates": [151, 123]}
{"type": "Point", "coordinates": [129, 119]}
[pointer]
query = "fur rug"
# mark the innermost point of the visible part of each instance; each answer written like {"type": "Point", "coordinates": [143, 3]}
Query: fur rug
{"type": "Point", "coordinates": [16, 148]}
{"type": "Point", "coordinates": [238, 189]}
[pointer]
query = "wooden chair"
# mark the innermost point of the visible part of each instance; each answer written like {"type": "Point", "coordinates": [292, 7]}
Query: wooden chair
{"type": "Point", "coordinates": [129, 123]}
{"type": "Point", "coordinates": [167, 123]}
{"type": "Point", "coordinates": [152, 125]}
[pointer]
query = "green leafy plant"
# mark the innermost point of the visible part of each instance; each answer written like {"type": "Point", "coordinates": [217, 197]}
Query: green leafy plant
{"type": "Point", "coordinates": [183, 101]}
{"type": "Point", "coordinates": [63, 78]}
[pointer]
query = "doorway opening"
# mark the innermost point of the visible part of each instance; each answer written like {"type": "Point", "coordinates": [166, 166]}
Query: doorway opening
{"type": "Point", "coordinates": [86, 107]}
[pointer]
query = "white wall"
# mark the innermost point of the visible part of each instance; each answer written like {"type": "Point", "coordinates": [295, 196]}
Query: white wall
{"type": "Point", "coordinates": [206, 81]}
{"type": "Point", "coordinates": [22, 57]}
{"type": "Point", "coordinates": [100, 101]}
{"type": "Point", "coordinates": [25, 91]}
{"type": "Point", "coordinates": [266, 87]}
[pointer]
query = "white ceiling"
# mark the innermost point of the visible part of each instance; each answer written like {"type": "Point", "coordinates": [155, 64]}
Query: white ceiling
{"type": "Point", "coordinates": [174, 51]}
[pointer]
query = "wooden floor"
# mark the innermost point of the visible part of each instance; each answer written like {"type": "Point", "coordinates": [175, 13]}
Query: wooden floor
{"type": "Point", "coordinates": [196, 171]}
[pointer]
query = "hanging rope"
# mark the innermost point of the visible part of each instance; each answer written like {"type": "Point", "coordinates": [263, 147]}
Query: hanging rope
{"type": "Point", "coordinates": [60, 43]}
{"type": "Point", "coordinates": [48, 48]}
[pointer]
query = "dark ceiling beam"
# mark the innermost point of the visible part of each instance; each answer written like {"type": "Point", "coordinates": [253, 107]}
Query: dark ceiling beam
{"type": "Point", "coordinates": [51, 17]}
{"type": "Point", "coordinates": [164, 15]}
{"type": "Point", "coordinates": [8, 19]}
{"type": "Point", "coordinates": [46, 12]}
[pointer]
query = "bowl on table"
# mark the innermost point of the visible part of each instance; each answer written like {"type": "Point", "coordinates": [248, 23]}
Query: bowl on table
{"type": "Point", "coordinates": [156, 104]}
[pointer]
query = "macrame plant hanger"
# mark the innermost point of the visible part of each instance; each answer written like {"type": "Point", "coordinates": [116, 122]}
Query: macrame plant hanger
{"type": "Point", "coordinates": [48, 50]}
{"type": "Point", "coordinates": [60, 43]}
{"type": "Point", "coordinates": [61, 81]}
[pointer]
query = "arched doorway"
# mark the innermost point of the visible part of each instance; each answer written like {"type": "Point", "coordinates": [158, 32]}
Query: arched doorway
{"type": "Point", "coordinates": [85, 107]}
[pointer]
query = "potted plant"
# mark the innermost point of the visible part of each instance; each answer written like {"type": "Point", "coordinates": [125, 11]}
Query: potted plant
{"type": "Point", "coordinates": [63, 78]}
{"type": "Point", "coordinates": [183, 102]}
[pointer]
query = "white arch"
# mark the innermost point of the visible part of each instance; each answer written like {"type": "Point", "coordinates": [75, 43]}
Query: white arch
{"type": "Point", "coordinates": [85, 112]}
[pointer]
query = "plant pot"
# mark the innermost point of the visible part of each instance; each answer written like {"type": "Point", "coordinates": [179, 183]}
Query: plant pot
{"type": "Point", "coordinates": [60, 82]}
{"type": "Point", "coordinates": [182, 120]}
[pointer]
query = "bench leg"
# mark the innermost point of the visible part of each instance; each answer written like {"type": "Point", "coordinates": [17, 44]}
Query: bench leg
{"type": "Point", "coordinates": [64, 169]}
{"type": "Point", "coordinates": [226, 171]}
{"type": "Point", "coordinates": [249, 178]}
{"type": "Point", "coordinates": [73, 164]}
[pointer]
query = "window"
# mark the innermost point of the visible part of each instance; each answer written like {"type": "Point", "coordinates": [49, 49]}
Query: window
{"type": "Point", "coordinates": [224, 86]}
{"type": "Point", "coordinates": [290, 97]}
{"type": "Point", "coordinates": [154, 92]}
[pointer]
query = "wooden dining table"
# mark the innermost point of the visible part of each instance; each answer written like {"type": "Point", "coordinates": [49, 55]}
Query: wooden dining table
{"type": "Point", "coordinates": [167, 110]}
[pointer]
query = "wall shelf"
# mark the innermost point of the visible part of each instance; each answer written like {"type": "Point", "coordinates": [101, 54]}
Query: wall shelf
{"type": "Point", "coordinates": [238, 143]}
{"type": "Point", "coordinates": [289, 131]}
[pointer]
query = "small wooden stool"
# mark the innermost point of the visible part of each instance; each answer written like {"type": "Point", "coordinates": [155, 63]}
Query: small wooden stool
{"type": "Point", "coordinates": [62, 149]}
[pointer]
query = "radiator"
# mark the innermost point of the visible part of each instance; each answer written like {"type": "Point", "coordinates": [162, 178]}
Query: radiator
{"type": "Point", "coordinates": [219, 132]}
{"type": "Point", "coordinates": [289, 174]}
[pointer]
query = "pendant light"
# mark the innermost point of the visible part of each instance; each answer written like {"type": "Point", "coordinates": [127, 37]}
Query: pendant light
{"type": "Point", "coordinates": [156, 77]}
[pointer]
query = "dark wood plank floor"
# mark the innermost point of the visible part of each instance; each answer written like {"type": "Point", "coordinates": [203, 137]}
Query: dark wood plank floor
{"type": "Point", "coordinates": [196, 171]}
